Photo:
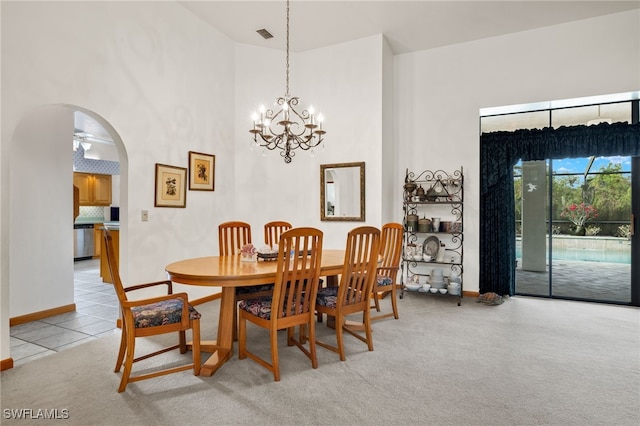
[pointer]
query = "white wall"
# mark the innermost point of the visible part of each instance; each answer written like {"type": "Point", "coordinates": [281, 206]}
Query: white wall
{"type": "Point", "coordinates": [4, 239]}
{"type": "Point", "coordinates": [439, 93]}
{"type": "Point", "coordinates": [390, 147]}
{"type": "Point", "coordinates": [40, 245]}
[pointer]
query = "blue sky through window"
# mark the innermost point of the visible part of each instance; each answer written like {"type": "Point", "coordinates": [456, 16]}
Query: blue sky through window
{"type": "Point", "coordinates": [578, 165]}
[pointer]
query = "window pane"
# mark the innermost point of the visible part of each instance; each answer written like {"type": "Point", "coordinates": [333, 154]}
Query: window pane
{"type": "Point", "coordinates": [619, 112]}
{"type": "Point", "coordinates": [510, 122]}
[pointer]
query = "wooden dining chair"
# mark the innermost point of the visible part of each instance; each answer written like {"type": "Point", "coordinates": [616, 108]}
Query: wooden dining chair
{"type": "Point", "coordinates": [231, 237]}
{"type": "Point", "coordinates": [388, 266]}
{"type": "Point", "coordinates": [353, 294]}
{"type": "Point", "coordinates": [149, 317]}
{"type": "Point", "coordinates": [273, 230]}
{"type": "Point", "coordinates": [293, 301]}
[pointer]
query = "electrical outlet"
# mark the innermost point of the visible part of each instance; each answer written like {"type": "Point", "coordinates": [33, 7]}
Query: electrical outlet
{"type": "Point", "coordinates": [145, 215]}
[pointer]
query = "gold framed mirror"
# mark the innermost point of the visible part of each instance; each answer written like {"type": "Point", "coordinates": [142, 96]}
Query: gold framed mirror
{"type": "Point", "coordinates": [342, 192]}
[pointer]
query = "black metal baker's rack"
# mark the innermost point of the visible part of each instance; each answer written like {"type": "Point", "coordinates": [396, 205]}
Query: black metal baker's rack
{"type": "Point", "coordinates": [442, 193]}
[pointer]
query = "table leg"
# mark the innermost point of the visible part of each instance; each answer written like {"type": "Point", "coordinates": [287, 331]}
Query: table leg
{"type": "Point", "coordinates": [221, 349]}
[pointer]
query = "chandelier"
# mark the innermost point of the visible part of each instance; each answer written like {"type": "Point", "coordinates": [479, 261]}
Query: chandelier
{"type": "Point", "coordinates": [293, 129]}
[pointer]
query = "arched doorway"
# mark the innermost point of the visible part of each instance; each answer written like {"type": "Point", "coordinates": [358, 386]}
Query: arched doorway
{"type": "Point", "coordinates": [40, 199]}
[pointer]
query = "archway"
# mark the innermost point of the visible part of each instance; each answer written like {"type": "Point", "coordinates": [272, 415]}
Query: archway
{"type": "Point", "coordinates": [40, 240]}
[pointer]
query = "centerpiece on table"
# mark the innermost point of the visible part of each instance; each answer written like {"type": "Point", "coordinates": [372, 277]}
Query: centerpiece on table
{"type": "Point", "coordinates": [248, 253]}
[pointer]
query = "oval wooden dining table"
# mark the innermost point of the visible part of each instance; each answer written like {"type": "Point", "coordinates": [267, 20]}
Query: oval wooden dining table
{"type": "Point", "coordinates": [229, 272]}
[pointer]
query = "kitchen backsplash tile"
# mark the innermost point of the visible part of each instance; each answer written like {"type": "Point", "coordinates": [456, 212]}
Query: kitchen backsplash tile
{"type": "Point", "coordinates": [91, 211]}
{"type": "Point", "coordinates": [87, 165]}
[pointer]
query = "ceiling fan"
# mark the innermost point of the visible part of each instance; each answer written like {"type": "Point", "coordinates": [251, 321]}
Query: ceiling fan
{"type": "Point", "coordinates": [84, 139]}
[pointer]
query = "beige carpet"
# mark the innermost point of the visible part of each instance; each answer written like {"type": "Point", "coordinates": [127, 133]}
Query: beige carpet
{"type": "Point", "coordinates": [524, 362]}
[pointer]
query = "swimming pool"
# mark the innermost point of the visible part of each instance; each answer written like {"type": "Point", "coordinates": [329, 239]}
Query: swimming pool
{"type": "Point", "coordinates": [586, 254]}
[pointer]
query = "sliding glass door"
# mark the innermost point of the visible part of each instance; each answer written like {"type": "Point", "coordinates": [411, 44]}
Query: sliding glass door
{"type": "Point", "coordinates": [574, 228]}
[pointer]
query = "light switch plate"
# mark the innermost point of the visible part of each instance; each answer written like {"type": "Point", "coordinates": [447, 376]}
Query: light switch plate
{"type": "Point", "coordinates": [145, 215]}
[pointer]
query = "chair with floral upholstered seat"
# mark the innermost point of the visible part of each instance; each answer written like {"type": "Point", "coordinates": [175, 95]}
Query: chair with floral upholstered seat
{"type": "Point", "coordinates": [353, 294]}
{"type": "Point", "coordinates": [293, 301]}
{"type": "Point", "coordinates": [149, 317]}
{"type": "Point", "coordinates": [388, 266]}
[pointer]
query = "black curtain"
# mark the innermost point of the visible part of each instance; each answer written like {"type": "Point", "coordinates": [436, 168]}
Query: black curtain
{"type": "Point", "coordinates": [499, 152]}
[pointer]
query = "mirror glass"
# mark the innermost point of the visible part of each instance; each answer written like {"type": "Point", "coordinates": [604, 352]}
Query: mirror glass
{"type": "Point", "coordinates": [342, 192]}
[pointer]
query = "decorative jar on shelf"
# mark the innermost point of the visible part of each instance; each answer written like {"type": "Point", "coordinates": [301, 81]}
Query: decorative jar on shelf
{"type": "Point", "coordinates": [412, 222]}
{"type": "Point", "coordinates": [424, 225]}
{"type": "Point", "coordinates": [409, 187]}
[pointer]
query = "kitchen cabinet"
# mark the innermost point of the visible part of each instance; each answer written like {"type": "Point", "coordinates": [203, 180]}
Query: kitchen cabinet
{"type": "Point", "coordinates": [82, 181]}
{"type": "Point", "coordinates": [105, 273]}
{"type": "Point", "coordinates": [76, 202]}
{"type": "Point", "coordinates": [94, 189]}
{"type": "Point", "coordinates": [97, 238]}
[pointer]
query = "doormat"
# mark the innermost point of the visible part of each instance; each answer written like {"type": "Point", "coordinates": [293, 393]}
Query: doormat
{"type": "Point", "coordinates": [490, 299]}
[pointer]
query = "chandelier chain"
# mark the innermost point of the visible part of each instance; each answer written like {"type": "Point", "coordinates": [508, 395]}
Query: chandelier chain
{"type": "Point", "coordinates": [287, 68]}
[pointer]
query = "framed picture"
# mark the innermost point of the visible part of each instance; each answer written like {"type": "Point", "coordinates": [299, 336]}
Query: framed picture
{"type": "Point", "coordinates": [201, 171]}
{"type": "Point", "coordinates": [171, 186]}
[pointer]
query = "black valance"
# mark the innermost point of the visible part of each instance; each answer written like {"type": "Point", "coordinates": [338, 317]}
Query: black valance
{"type": "Point", "coordinates": [499, 152]}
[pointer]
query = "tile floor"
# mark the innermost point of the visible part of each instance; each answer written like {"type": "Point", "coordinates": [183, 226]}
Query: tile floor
{"type": "Point", "coordinates": [95, 316]}
{"type": "Point", "coordinates": [600, 281]}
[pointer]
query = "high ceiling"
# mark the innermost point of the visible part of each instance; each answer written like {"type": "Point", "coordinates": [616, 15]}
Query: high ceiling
{"type": "Point", "coordinates": [408, 25]}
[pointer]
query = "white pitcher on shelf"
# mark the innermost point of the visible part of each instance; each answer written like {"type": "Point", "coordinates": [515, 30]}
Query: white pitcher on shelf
{"type": "Point", "coordinates": [440, 257]}
{"type": "Point", "coordinates": [435, 223]}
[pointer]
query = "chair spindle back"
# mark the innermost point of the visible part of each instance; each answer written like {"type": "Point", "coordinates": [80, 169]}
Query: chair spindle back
{"type": "Point", "coordinates": [232, 236]}
{"type": "Point", "coordinates": [273, 231]}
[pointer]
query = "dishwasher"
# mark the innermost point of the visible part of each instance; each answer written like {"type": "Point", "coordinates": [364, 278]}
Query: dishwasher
{"type": "Point", "coordinates": [83, 241]}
